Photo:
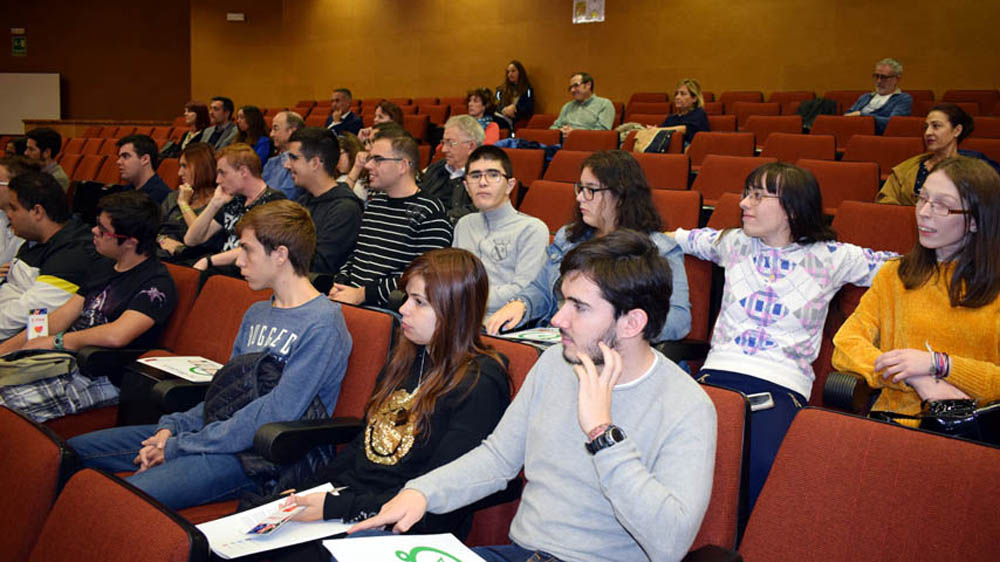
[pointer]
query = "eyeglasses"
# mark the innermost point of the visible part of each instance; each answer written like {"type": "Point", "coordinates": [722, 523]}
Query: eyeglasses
{"type": "Point", "coordinates": [376, 159]}
{"type": "Point", "coordinates": [877, 76]}
{"type": "Point", "coordinates": [108, 234]}
{"type": "Point", "coordinates": [492, 176]}
{"type": "Point", "coordinates": [575, 85]}
{"type": "Point", "coordinates": [938, 208]}
{"type": "Point", "coordinates": [587, 190]}
{"type": "Point", "coordinates": [451, 143]}
{"type": "Point", "coordinates": [758, 195]}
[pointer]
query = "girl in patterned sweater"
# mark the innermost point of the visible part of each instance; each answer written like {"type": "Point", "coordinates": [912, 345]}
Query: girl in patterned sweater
{"type": "Point", "coordinates": [782, 269]}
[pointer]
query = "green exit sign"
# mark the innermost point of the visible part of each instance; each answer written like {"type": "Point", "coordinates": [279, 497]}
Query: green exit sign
{"type": "Point", "coordinates": [19, 46]}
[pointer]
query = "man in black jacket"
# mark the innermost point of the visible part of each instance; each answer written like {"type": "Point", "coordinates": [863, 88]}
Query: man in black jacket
{"type": "Point", "coordinates": [342, 119]}
{"type": "Point", "coordinates": [312, 158]}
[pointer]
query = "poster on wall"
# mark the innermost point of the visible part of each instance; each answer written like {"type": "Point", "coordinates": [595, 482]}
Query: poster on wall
{"type": "Point", "coordinates": [588, 11]}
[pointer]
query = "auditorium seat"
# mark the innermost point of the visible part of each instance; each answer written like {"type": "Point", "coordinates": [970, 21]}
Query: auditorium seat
{"type": "Point", "coordinates": [109, 172]}
{"type": "Point", "coordinates": [34, 464]}
{"type": "Point", "coordinates": [906, 126]}
{"type": "Point", "coordinates": [89, 166]}
{"type": "Point", "coordinates": [143, 131]}
{"type": "Point", "coordinates": [551, 201]}
{"type": "Point", "coordinates": [312, 103]}
{"type": "Point", "coordinates": [425, 101]}
{"type": "Point", "coordinates": [762, 126]}
{"type": "Point", "coordinates": [989, 147]}
{"type": "Point", "coordinates": [272, 111]}
{"type": "Point", "coordinates": [93, 131]}
{"type": "Point", "coordinates": [720, 174]}
{"type": "Point", "coordinates": [542, 120]}
{"type": "Point", "coordinates": [69, 162]}
{"type": "Point", "coordinates": [168, 172]}
{"type": "Point", "coordinates": [788, 98]}
{"type": "Point", "coordinates": [160, 134]}
{"type": "Point", "coordinates": [591, 140]}
{"type": "Point", "coordinates": [93, 145]}
{"type": "Point", "coordinates": [653, 119]}
{"type": "Point", "coordinates": [543, 136]}
{"type": "Point", "coordinates": [662, 108]}
{"type": "Point", "coordinates": [452, 100]}
{"type": "Point", "coordinates": [986, 99]}
{"type": "Point", "coordinates": [986, 127]}
{"type": "Point", "coordinates": [743, 109]}
{"type": "Point", "coordinates": [328, 103]}
{"type": "Point", "coordinates": [110, 132]}
{"type": "Point", "coordinates": [727, 212]}
{"type": "Point", "coordinates": [887, 152]}
{"type": "Point", "coordinates": [722, 123]}
{"type": "Point", "coordinates": [109, 148]}
{"type": "Point", "coordinates": [317, 119]}
{"type": "Point", "coordinates": [649, 97]}
{"type": "Point", "coordinates": [73, 145]}
{"type": "Point", "coordinates": [843, 127]}
{"type": "Point", "coordinates": [792, 147]}
{"type": "Point", "coordinates": [731, 144]}
{"type": "Point", "coordinates": [528, 165]}
{"type": "Point", "coordinates": [425, 155]}
{"type": "Point", "coordinates": [417, 125]}
{"type": "Point", "coordinates": [100, 517]}
{"type": "Point", "coordinates": [845, 98]}
{"type": "Point", "coordinates": [843, 181]}
{"type": "Point", "coordinates": [124, 131]}
{"type": "Point", "coordinates": [179, 121]}
{"type": "Point", "coordinates": [665, 171]}
{"type": "Point", "coordinates": [437, 114]}
{"type": "Point", "coordinates": [732, 97]}
{"type": "Point", "coordinates": [458, 109]}
{"type": "Point", "coordinates": [408, 109]}
{"type": "Point", "coordinates": [565, 166]}
{"type": "Point", "coordinates": [401, 101]}
{"type": "Point", "coordinates": [920, 95]}
{"type": "Point", "coordinates": [619, 113]}
{"type": "Point", "coordinates": [714, 108]}
{"type": "Point", "coordinates": [922, 108]}
{"type": "Point", "coordinates": [844, 487]}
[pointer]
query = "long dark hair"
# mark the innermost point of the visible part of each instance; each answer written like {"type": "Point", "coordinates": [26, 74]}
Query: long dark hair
{"type": "Point", "coordinates": [256, 126]}
{"type": "Point", "coordinates": [800, 198]}
{"type": "Point", "coordinates": [976, 279]}
{"type": "Point", "coordinates": [457, 287]}
{"type": "Point", "coordinates": [618, 171]}
{"type": "Point", "coordinates": [508, 90]}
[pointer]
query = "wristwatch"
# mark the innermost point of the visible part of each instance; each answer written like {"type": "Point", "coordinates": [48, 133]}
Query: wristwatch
{"type": "Point", "coordinates": [57, 341]}
{"type": "Point", "coordinates": [613, 434]}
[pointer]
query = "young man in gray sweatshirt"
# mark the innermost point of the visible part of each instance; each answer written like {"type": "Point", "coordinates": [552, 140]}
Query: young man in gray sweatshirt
{"type": "Point", "coordinates": [616, 441]}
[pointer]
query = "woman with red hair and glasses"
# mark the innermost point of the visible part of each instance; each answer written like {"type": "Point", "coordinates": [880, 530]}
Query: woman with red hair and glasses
{"type": "Point", "coordinates": [441, 393]}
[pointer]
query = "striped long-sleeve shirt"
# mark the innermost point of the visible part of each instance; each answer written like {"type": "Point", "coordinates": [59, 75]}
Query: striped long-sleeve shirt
{"type": "Point", "coordinates": [393, 232]}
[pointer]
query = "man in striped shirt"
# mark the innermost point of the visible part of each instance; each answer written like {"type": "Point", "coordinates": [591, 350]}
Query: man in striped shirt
{"type": "Point", "coordinates": [399, 223]}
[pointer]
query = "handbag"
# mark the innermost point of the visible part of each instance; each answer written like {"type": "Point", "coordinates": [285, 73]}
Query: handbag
{"type": "Point", "coordinates": [30, 365]}
{"type": "Point", "coordinates": [654, 140]}
{"type": "Point", "coordinates": [955, 418]}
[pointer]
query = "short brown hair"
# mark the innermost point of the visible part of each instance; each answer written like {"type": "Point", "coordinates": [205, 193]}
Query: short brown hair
{"type": "Point", "coordinates": [240, 154]}
{"type": "Point", "coordinates": [283, 223]}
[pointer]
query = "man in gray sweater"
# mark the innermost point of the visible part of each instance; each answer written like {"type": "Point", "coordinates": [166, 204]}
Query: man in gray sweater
{"type": "Point", "coordinates": [616, 441]}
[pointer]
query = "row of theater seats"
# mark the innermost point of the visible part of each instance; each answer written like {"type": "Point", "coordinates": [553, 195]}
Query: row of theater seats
{"type": "Point", "coordinates": [833, 476]}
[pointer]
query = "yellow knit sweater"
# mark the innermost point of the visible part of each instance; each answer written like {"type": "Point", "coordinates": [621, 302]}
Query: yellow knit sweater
{"type": "Point", "coordinates": [891, 317]}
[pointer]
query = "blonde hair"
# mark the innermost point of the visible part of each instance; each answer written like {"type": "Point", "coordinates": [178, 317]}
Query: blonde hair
{"type": "Point", "coordinates": [695, 88]}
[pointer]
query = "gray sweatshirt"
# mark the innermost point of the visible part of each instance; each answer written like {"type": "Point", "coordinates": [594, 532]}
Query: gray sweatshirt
{"type": "Point", "coordinates": [511, 246]}
{"type": "Point", "coordinates": [641, 499]}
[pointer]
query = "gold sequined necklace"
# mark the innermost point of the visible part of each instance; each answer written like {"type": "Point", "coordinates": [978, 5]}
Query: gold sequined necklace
{"type": "Point", "coordinates": [390, 432]}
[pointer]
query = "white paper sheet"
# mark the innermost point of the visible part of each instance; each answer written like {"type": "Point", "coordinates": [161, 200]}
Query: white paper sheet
{"type": "Point", "coordinates": [192, 368]}
{"type": "Point", "coordinates": [229, 539]}
{"type": "Point", "coordinates": [406, 548]}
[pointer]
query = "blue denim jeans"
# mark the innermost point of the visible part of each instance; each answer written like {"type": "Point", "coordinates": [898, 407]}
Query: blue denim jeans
{"type": "Point", "coordinates": [512, 553]}
{"type": "Point", "coordinates": [179, 482]}
{"type": "Point", "coordinates": [767, 427]}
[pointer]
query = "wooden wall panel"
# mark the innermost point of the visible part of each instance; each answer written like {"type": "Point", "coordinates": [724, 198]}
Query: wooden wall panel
{"type": "Point", "coordinates": [119, 59]}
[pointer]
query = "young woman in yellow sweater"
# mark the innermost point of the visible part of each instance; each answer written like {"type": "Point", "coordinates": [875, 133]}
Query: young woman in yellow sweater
{"type": "Point", "coordinates": [929, 327]}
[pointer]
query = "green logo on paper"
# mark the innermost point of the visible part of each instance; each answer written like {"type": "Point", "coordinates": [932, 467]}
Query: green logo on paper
{"type": "Point", "coordinates": [433, 555]}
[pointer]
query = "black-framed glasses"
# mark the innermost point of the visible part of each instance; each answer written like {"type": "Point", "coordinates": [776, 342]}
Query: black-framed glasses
{"type": "Point", "coordinates": [575, 85]}
{"type": "Point", "coordinates": [376, 159]}
{"type": "Point", "coordinates": [108, 234]}
{"type": "Point", "coordinates": [877, 76]}
{"type": "Point", "coordinates": [758, 195]}
{"type": "Point", "coordinates": [938, 208]}
{"type": "Point", "coordinates": [587, 190]}
{"type": "Point", "coordinates": [492, 176]}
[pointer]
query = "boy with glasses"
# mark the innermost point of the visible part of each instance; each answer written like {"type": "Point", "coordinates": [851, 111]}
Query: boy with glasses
{"type": "Point", "coordinates": [128, 306]}
{"type": "Point", "coordinates": [510, 244]}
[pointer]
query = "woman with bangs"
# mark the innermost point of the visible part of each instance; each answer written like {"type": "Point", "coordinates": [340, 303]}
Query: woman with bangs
{"type": "Point", "coordinates": [196, 119]}
{"type": "Point", "coordinates": [181, 207]}
{"type": "Point", "coordinates": [612, 194]}
{"type": "Point", "coordinates": [782, 269]}
{"type": "Point", "coordinates": [441, 393]}
{"type": "Point", "coordinates": [929, 328]}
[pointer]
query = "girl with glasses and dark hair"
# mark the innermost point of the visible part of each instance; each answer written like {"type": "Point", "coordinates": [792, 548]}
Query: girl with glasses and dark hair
{"type": "Point", "coordinates": [782, 269]}
{"type": "Point", "coordinates": [612, 193]}
{"type": "Point", "coordinates": [928, 328]}
{"type": "Point", "coordinates": [441, 393]}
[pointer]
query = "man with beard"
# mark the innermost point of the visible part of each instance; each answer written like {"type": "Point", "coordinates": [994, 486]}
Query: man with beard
{"type": "Point", "coordinates": [617, 441]}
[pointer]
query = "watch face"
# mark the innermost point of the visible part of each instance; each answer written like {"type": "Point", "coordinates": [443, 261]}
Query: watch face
{"type": "Point", "coordinates": [616, 434]}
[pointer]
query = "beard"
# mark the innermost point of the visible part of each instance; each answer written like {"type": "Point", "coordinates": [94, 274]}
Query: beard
{"type": "Point", "coordinates": [591, 349]}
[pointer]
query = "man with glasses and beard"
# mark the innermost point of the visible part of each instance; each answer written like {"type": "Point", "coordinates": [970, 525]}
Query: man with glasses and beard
{"type": "Point", "coordinates": [617, 442]}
